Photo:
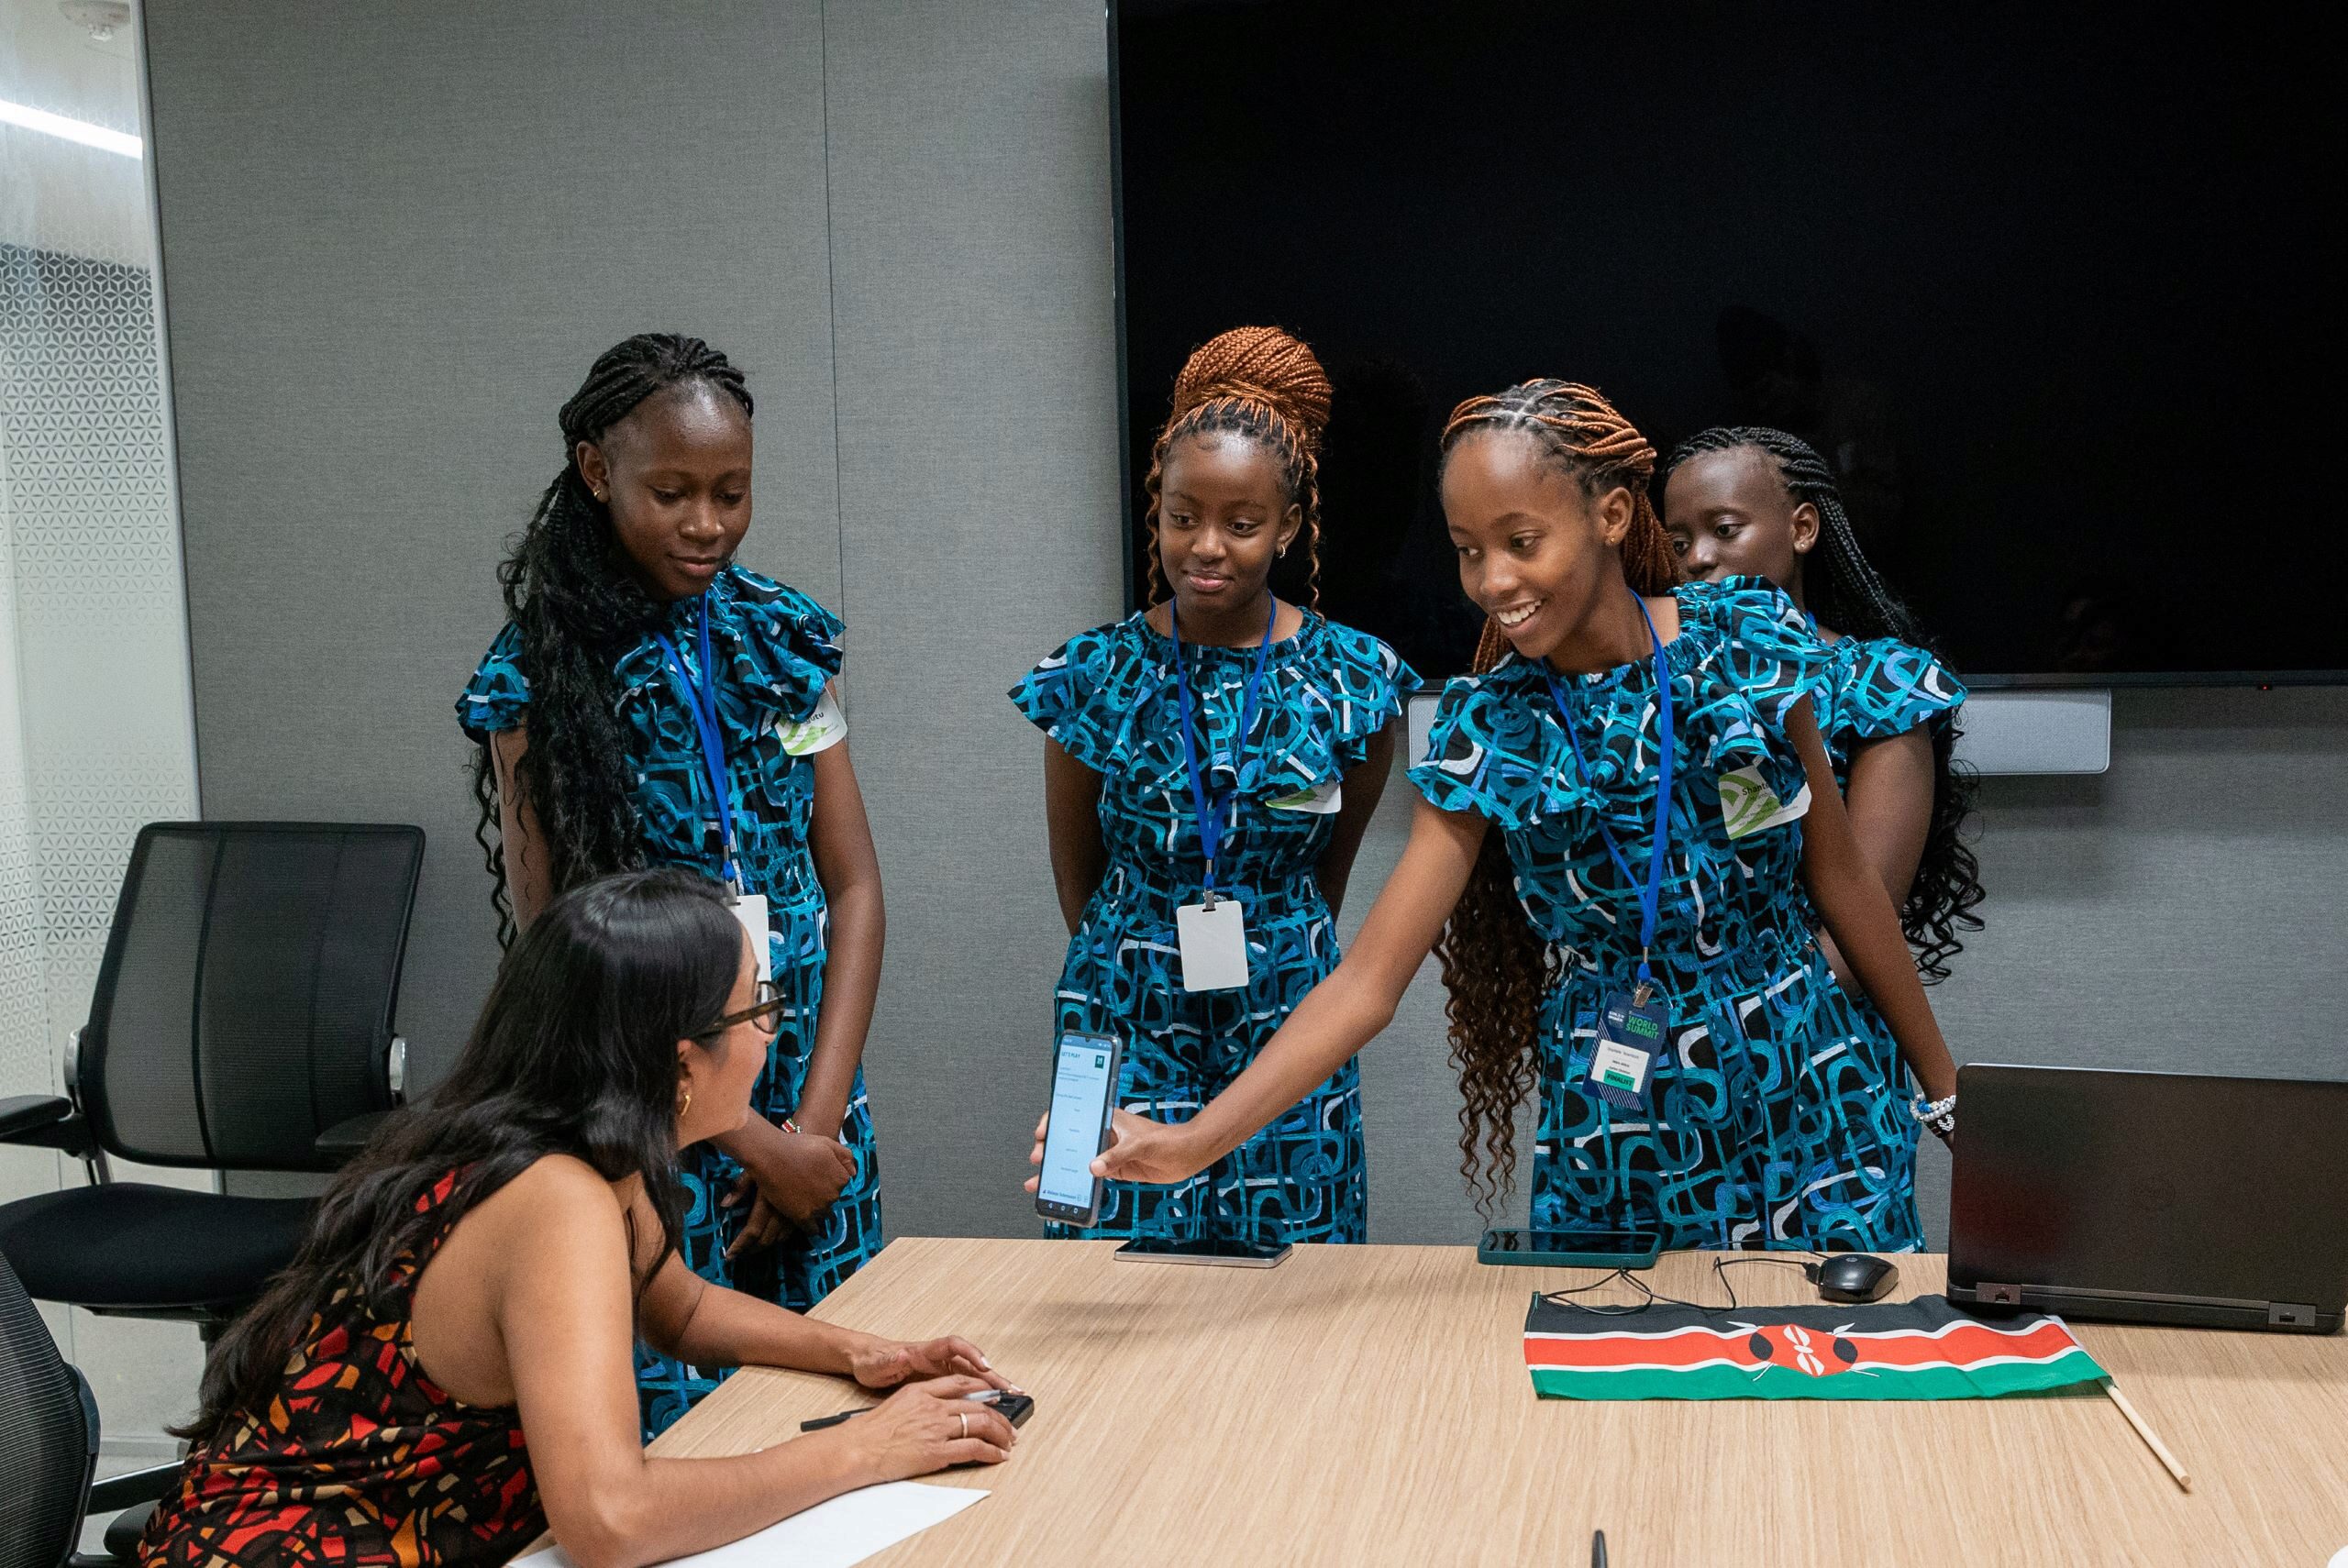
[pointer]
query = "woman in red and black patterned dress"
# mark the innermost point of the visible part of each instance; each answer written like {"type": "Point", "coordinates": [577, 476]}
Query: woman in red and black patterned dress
{"type": "Point", "coordinates": [447, 1367]}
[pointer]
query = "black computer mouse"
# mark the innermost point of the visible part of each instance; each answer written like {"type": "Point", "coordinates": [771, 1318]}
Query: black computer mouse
{"type": "Point", "coordinates": [1854, 1276]}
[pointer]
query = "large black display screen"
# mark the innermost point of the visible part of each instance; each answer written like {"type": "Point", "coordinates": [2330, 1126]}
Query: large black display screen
{"type": "Point", "coordinates": [2054, 288]}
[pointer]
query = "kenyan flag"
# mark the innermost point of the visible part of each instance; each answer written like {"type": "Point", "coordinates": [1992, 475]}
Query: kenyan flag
{"type": "Point", "coordinates": [1923, 1349]}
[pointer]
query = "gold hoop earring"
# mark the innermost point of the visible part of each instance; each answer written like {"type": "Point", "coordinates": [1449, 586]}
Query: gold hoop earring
{"type": "Point", "coordinates": [684, 1105]}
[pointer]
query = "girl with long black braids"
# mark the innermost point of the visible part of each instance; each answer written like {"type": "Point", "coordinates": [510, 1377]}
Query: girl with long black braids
{"type": "Point", "coordinates": [651, 703]}
{"type": "Point", "coordinates": [1746, 501]}
{"type": "Point", "coordinates": [1629, 836]}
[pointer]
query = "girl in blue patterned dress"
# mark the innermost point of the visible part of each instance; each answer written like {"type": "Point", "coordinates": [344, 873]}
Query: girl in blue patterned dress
{"type": "Point", "coordinates": [640, 670]}
{"type": "Point", "coordinates": [1746, 501]}
{"type": "Point", "coordinates": [1763, 1117]}
{"type": "Point", "coordinates": [1293, 717]}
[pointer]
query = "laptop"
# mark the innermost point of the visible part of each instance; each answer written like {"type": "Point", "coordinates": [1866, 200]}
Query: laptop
{"type": "Point", "coordinates": [2152, 1198]}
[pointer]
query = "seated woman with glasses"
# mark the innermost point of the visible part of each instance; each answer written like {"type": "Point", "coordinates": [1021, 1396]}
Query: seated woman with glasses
{"type": "Point", "coordinates": [447, 1366]}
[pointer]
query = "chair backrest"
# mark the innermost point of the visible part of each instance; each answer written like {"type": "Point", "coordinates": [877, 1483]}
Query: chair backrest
{"type": "Point", "coordinates": [244, 1001]}
{"type": "Point", "coordinates": [48, 1438]}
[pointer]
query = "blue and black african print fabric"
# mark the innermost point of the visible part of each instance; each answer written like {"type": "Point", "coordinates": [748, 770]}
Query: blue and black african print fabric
{"type": "Point", "coordinates": [1876, 688]}
{"type": "Point", "coordinates": [1108, 699]}
{"type": "Point", "coordinates": [775, 650]}
{"type": "Point", "coordinates": [1775, 1116]}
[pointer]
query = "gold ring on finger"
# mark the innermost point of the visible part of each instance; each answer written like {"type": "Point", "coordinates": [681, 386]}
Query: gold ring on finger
{"type": "Point", "coordinates": [964, 1417]}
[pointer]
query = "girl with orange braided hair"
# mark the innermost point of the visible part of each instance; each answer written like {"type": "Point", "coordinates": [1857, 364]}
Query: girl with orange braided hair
{"type": "Point", "coordinates": [1637, 937]}
{"type": "Point", "coordinates": [1219, 747]}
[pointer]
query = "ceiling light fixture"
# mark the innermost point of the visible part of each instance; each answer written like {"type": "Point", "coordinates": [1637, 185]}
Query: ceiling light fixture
{"type": "Point", "coordinates": [82, 131]}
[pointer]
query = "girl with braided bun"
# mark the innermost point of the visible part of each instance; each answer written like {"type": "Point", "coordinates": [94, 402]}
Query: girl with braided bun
{"type": "Point", "coordinates": [1744, 501]}
{"type": "Point", "coordinates": [1699, 1071]}
{"type": "Point", "coordinates": [650, 702]}
{"type": "Point", "coordinates": [1220, 738]}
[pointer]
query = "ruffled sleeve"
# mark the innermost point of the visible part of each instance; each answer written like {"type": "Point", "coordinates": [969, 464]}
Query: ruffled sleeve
{"type": "Point", "coordinates": [1755, 655]}
{"type": "Point", "coordinates": [1343, 688]}
{"type": "Point", "coordinates": [1883, 686]}
{"type": "Point", "coordinates": [499, 693]}
{"type": "Point", "coordinates": [1493, 750]}
{"type": "Point", "coordinates": [775, 648]}
{"type": "Point", "coordinates": [1758, 642]}
{"type": "Point", "coordinates": [1081, 695]}
{"type": "Point", "coordinates": [778, 648]}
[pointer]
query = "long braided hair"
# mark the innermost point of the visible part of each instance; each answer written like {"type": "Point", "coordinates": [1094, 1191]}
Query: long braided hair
{"type": "Point", "coordinates": [1848, 596]}
{"type": "Point", "coordinates": [1495, 965]}
{"type": "Point", "coordinates": [1264, 384]}
{"type": "Point", "coordinates": [578, 603]}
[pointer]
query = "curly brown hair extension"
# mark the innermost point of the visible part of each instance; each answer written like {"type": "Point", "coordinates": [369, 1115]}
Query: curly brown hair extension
{"type": "Point", "coordinates": [1264, 384]}
{"type": "Point", "coordinates": [1495, 965]}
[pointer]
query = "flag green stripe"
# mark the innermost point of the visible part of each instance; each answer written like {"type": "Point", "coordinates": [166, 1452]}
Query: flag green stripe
{"type": "Point", "coordinates": [1787, 1383]}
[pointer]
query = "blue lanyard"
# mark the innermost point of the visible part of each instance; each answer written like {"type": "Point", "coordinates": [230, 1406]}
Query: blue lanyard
{"type": "Point", "coordinates": [1651, 891]}
{"type": "Point", "coordinates": [1211, 811]}
{"type": "Point", "coordinates": [702, 700]}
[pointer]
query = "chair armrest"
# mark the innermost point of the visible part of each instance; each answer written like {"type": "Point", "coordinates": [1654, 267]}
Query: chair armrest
{"type": "Point", "coordinates": [42, 1122]}
{"type": "Point", "coordinates": [342, 1141]}
{"type": "Point", "coordinates": [128, 1491]}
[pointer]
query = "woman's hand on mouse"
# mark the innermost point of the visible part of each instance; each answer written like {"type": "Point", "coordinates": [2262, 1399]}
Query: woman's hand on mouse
{"type": "Point", "coordinates": [922, 1427]}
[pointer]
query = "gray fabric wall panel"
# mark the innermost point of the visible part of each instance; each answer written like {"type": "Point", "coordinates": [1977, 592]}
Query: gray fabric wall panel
{"type": "Point", "coordinates": [979, 502]}
{"type": "Point", "coordinates": [396, 238]}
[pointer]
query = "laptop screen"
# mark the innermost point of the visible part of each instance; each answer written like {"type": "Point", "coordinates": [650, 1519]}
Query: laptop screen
{"type": "Point", "coordinates": [2155, 1184]}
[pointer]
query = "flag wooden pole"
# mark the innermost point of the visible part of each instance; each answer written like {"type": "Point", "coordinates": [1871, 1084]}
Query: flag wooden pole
{"type": "Point", "coordinates": [2152, 1438]}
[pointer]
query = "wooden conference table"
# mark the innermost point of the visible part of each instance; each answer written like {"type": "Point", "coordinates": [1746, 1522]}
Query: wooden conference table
{"type": "Point", "coordinates": [1370, 1405]}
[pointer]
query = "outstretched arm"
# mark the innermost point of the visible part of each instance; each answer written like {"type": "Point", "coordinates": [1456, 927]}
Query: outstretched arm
{"type": "Point", "coordinates": [1331, 1024]}
{"type": "Point", "coordinates": [1850, 894]}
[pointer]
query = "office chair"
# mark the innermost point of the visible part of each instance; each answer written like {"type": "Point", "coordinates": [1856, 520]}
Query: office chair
{"type": "Point", "coordinates": [242, 1021]}
{"type": "Point", "coordinates": [48, 1447]}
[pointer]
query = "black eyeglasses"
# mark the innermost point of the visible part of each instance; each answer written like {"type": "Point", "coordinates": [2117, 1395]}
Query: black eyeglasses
{"type": "Point", "coordinates": [766, 1011]}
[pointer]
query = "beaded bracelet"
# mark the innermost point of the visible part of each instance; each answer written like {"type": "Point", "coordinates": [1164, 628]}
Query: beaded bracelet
{"type": "Point", "coordinates": [1939, 1115]}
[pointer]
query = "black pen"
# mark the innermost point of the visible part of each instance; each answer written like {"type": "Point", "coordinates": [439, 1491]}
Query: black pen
{"type": "Point", "coordinates": [1598, 1549]}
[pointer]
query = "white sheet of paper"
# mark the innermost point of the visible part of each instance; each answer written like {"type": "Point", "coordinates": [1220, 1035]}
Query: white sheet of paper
{"type": "Point", "coordinates": [849, 1528]}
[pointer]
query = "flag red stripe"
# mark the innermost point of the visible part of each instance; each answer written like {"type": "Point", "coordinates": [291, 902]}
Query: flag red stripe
{"type": "Point", "coordinates": [1689, 1347]}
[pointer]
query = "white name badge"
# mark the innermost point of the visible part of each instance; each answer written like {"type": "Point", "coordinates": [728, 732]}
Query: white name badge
{"type": "Point", "coordinates": [750, 909]}
{"type": "Point", "coordinates": [1215, 946]}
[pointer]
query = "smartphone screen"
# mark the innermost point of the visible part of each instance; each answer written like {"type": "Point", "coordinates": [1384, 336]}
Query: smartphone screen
{"type": "Point", "coordinates": [1082, 1079]}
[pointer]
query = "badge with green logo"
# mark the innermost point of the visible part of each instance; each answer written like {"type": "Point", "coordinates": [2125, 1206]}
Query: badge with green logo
{"type": "Point", "coordinates": [1749, 806]}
